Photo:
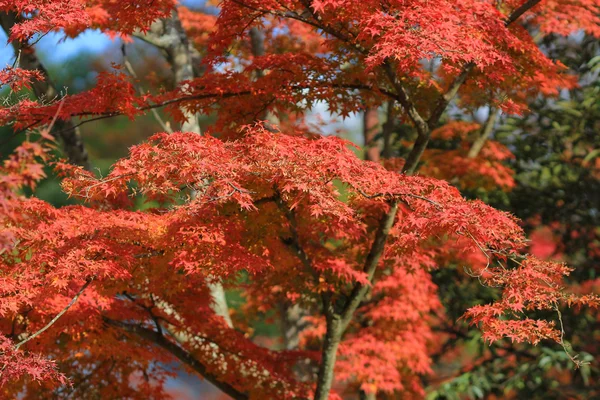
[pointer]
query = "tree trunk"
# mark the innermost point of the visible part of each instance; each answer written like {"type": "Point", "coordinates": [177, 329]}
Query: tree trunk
{"type": "Point", "coordinates": [329, 354]}
{"type": "Point", "coordinates": [370, 130]}
{"type": "Point", "coordinates": [388, 129]}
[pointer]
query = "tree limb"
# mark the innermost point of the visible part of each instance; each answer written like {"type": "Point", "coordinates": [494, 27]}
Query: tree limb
{"type": "Point", "coordinates": [295, 243]}
{"type": "Point", "coordinates": [179, 353]}
{"type": "Point", "coordinates": [445, 99]}
{"type": "Point", "coordinates": [405, 101]}
{"type": "Point", "coordinates": [134, 75]}
{"type": "Point", "coordinates": [337, 323]}
{"type": "Point", "coordinates": [387, 130]}
{"type": "Point", "coordinates": [516, 14]}
{"type": "Point", "coordinates": [360, 290]}
{"type": "Point", "coordinates": [60, 314]}
{"type": "Point", "coordinates": [488, 127]}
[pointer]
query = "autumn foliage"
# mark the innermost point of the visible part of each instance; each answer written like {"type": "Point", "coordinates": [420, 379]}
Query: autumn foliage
{"type": "Point", "coordinates": [265, 206]}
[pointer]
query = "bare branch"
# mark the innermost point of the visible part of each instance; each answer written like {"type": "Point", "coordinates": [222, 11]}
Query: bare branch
{"type": "Point", "coordinates": [53, 320]}
{"type": "Point", "coordinates": [488, 127]}
{"type": "Point", "coordinates": [447, 97]}
{"type": "Point", "coordinates": [405, 101]}
{"type": "Point", "coordinates": [520, 11]}
{"type": "Point", "coordinates": [132, 72]}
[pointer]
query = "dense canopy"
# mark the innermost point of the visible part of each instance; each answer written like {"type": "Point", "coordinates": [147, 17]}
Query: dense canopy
{"type": "Point", "coordinates": [343, 252]}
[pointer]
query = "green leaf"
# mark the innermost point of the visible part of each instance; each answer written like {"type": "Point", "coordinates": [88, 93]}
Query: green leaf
{"type": "Point", "coordinates": [477, 391]}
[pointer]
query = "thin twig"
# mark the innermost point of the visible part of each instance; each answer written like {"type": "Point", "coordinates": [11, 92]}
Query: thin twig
{"type": "Point", "coordinates": [46, 132]}
{"type": "Point", "coordinates": [49, 324]}
{"type": "Point", "coordinates": [573, 358]}
{"type": "Point", "coordinates": [154, 112]}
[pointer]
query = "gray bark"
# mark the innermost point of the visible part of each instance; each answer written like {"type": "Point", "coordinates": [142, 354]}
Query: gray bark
{"type": "Point", "coordinates": [332, 341]}
{"type": "Point", "coordinates": [388, 130]}
{"type": "Point", "coordinates": [170, 36]}
{"type": "Point", "coordinates": [488, 127]}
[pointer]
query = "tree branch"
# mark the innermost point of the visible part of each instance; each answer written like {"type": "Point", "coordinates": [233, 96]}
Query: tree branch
{"type": "Point", "coordinates": [180, 55]}
{"type": "Point", "coordinates": [488, 127]}
{"type": "Point", "coordinates": [295, 244]}
{"type": "Point", "coordinates": [53, 320]}
{"type": "Point", "coordinates": [179, 353]}
{"type": "Point", "coordinates": [337, 323]}
{"type": "Point", "coordinates": [387, 130]}
{"type": "Point", "coordinates": [360, 290]}
{"type": "Point", "coordinates": [405, 101]}
{"type": "Point", "coordinates": [445, 99]}
{"type": "Point", "coordinates": [516, 14]}
{"type": "Point", "coordinates": [333, 337]}
{"type": "Point", "coordinates": [133, 74]}
{"type": "Point", "coordinates": [215, 96]}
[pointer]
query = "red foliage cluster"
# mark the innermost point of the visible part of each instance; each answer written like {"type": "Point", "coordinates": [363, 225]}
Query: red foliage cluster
{"type": "Point", "coordinates": [486, 170]}
{"type": "Point", "coordinates": [254, 198]}
{"type": "Point", "coordinates": [286, 218]}
{"type": "Point", "coordinates": [533, 285]}
{"type": "Point", "coordinates": [16, 363]}
{"type": "Point", "coordinates": [17, 78]}
{"type": "Point", "coordinates": [40, 17]}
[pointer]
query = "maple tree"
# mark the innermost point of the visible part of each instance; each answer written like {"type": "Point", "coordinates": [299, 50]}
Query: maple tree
{"type": "Point", "coordinates": [342, 251]}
